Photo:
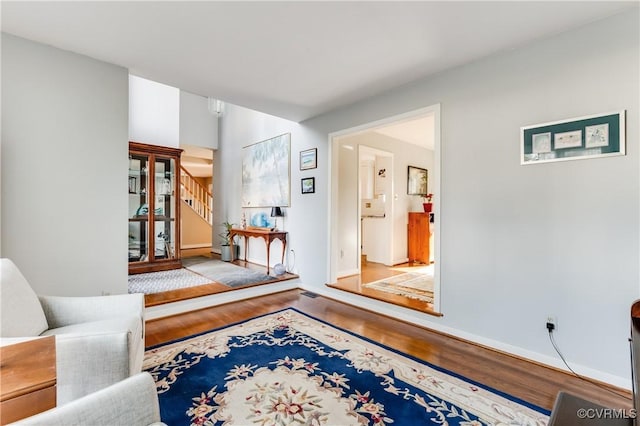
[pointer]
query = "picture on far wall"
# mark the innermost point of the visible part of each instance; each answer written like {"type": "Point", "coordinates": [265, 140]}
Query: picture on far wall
{"type": "Point", "coordinates": [308, 185]}
{"type": "Point", "coordinates": [266, 173]}
{"type": "Point", "coordinates": [592, 136]}
{"type": "Point", "coordinates": [416, 181]}
{"type": "Point", "coordinates": [309, 159]}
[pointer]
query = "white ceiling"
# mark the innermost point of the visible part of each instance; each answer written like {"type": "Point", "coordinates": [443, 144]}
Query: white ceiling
{"type": "Point", "coordinates": [293, 59]}
{"type": "Point", "coordinates": [417, 131]}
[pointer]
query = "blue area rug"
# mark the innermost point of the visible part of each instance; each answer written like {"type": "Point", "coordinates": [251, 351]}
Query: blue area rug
{"type": "Point", "coordinates": [288, 368]}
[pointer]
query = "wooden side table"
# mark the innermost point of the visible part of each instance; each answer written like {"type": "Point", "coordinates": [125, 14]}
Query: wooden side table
{"type": "Point", "coordinates": [27, 378]}
{"type": "Point", "coordinates": [265, 234]}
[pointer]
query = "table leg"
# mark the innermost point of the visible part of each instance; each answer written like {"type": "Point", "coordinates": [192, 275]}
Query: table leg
{"type": "Point", "coordinates": [245, 249]}
{"type": "Point", "coordinates": [284, 247]}
{"type": "Point", "coordinates": [268, 251]}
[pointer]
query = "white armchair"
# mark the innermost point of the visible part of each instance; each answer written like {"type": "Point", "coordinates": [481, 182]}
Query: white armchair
{"type": "Point", "coordinates": [99, 340]}
{"type": "Point", "coordinates": [131, 402]}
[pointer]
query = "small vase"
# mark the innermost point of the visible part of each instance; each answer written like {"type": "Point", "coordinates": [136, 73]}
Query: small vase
{"type": "Point", "coordinates": [427, 207]}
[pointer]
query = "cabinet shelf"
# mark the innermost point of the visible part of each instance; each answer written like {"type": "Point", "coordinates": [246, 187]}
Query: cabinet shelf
{"type": "Point", "coordinates": [155, 218]}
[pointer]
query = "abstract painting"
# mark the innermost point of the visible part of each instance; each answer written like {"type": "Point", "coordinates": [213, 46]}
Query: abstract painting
{"type": "Point", "coordinates": [265, 173]}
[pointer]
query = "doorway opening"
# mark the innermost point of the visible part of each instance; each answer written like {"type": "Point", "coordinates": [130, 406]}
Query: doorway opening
{"type": "Point", "coordinates": [370, 209]}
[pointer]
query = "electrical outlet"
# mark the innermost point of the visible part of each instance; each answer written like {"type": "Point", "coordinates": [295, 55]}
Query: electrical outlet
{"type": "Point", "coordinates": [552, 323]}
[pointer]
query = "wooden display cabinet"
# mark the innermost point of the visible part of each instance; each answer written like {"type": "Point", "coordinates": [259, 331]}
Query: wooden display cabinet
{"type": "Point", "coordinates": [418, 237]}
{"type": "Point", "coordinates": [154, 208]}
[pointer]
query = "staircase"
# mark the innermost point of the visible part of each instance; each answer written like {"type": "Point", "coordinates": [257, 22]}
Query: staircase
{"type": "Point", "coordinates": [196, 196]}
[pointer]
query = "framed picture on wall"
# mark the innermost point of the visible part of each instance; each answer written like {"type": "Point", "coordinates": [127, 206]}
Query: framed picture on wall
{"type": "Point", "coordinates": [265, 173]}
{"type": "Point", "coordinates": [601, 135]}
{"type": "Point", "coordinates": [308, 185]}
{"type": "Point", "coordinates": [416, 181]}
{"type": "Point", "coordinates": [309, 159]}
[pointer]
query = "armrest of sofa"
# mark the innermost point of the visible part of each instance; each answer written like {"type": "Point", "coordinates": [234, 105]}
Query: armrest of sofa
{"type": "Point", "coordinates": [88, 363]}
{"type": "Point", "coordinates": [63, 311]}
{"type": "Point", "coordinates": [133, 402]}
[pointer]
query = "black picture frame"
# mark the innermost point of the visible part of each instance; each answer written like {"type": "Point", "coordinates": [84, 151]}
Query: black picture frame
{"type": "Point", "coordinates": [308, 185]}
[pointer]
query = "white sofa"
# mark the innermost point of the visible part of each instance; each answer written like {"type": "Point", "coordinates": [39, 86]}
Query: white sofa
{"type": "Point", "coordinates": [131, 402]}
{"type": "Point", "coordinates": [99, 340]}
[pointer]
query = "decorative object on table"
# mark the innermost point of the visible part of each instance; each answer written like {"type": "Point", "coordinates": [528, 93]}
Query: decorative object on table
{"type": "Point", "coordinates": [261, 220]}
{"type": "Point", "coordinates": [290, 368]}
{"type": "Point", "coordinates": [265, 173]}
{"type": "Point", "coordinates": [308, 185]}
{"type": "Point", "coordinates": [416, 181]}
{"type": "Point", "coordinates": [601, 135]}
{"type": "Point", "coordinates": [276, 212]}
{"type": "Point", "coordinates": [225, 246]}
{"type": "Point", "coordinates": [309, 159]}
{"type": "Point", "coordinates": [243, 221]}
{"type": "Point", "coordinates": [427, 205]}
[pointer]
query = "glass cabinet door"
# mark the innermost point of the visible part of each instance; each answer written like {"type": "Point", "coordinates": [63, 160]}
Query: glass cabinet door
{"type": "Point", "coordinates": [154, 208]}
{"type": "Point", "coordinates": [138, 207]}
{"type": "Point", "coordinates": [164, 208]}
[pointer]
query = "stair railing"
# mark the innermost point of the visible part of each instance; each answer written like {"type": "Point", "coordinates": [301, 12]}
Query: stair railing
{"type": "Point", "coordinates": [196, 196]}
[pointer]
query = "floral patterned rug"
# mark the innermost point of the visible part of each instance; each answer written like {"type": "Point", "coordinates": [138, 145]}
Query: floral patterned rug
{"type": "Point", "coordinates": [412, 285]}
{"type": "Point", "coordinates": [288, 368]}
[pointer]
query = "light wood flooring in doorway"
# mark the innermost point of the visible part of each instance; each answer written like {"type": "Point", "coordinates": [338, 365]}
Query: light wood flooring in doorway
{"type": "Point", "coordinates": [371, 271]}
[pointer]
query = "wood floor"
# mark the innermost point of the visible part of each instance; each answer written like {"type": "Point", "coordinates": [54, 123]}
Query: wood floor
{"type": "Point", "coordinates": [532, 382]}
{"type": "Point", "coordinates": [369, 272]}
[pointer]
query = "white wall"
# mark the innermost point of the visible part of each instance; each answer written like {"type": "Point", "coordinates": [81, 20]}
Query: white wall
{"type": "Point", "coordinates": [154, 113]}
{"type": "Point", "coordinates": [304, 219]}
{"type": "Point", "coordinates": [198, 125]}
{"type": "Point", "coordinates": [516, 245]}
{"type": "Point", "coordinates": [521, 243]}
{"type": "Point", "coordinates": [64, 169]}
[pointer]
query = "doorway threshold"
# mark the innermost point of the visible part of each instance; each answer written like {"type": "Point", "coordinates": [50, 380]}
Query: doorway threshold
{"type": "Point", "coordinates": [353, 286]}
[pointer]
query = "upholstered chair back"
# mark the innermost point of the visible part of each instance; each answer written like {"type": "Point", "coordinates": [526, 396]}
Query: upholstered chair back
{"type": "Point", "coordinates": [21, 314]}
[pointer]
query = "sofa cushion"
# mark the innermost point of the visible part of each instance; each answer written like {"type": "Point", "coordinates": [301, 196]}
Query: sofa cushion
{"type": "Point", "coordinates": [20, 311]}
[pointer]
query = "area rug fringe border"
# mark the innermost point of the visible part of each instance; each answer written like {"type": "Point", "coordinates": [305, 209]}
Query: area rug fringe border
{"type": "Point", "coordinates": [404, 354]}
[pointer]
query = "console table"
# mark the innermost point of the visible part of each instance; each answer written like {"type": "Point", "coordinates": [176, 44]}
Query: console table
{"type": "Point", "coordinates": [266, 234]}
{"type": "Point", "coordinates": [28, 378]}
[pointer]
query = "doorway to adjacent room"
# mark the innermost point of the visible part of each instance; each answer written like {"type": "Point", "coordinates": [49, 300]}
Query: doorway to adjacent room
{"type": "Point", "coordinates": [370, 182]}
